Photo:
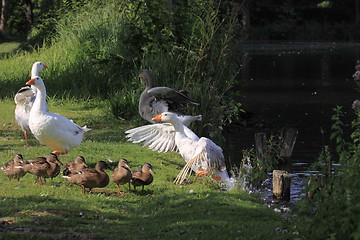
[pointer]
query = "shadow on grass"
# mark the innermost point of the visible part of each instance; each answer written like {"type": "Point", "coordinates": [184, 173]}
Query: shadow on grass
{"type": "Point", "coordinates": [139, 215]}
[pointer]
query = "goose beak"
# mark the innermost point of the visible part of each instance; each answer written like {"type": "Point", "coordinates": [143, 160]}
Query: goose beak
{"type": "Point", "coordinates": [31, 81]}
{"type": "Point", "coordinates": [44, 66]}
{"type": "Point", "coordinates": [157, 118]}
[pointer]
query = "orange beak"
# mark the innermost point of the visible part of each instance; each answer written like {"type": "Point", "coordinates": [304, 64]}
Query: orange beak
{"type": "Point", "coordinates": [157, 118]}
{"type": "Point", "coordinates": [45, 66]}
{"type": "Point", "coordinates": [31, 81]}
{"type": "Point", "coordinates": [217, 178]}
{"type": "Point", "coordinates": [202, 173]}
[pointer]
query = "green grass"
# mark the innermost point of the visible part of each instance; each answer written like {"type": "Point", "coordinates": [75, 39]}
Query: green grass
{"type": "Point", "coordinates": [162, 211]}
{"type": "Point", "coordinates": [8, 47]}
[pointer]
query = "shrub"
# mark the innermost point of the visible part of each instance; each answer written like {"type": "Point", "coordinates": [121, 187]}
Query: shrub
{"type": "Point", "coordinates": [333, 210]}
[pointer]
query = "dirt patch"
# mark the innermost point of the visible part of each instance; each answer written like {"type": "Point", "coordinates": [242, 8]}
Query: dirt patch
{"type": "Point", "coordinates": [47, 233]}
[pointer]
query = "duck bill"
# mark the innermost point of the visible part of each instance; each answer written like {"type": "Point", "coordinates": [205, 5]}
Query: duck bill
{"type": "Point", "coordinates": [44, 66]}
{"type": "Point", "coordinates": [157, 118]}
{"type": "Point", "coordinates": [152, 171]}
{"type": "Point", "coordinates": [31, 81]}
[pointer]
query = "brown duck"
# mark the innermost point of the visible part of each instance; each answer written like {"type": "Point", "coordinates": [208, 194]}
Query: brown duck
{"type": "Point", "coordinates": [142, 176]}
{"type": "Point", "coordinates": [74, 166]}
{"type": "Point", "coordinates": [91, 177]}
{"type": "Point", "coordinates": [122, 174]}
{"type": "Point", "coordinates": [12, 169]}
{"type": "Point", "coordinates": [54, 164]}
{"type": "Point", "coordinates": [46, 167]}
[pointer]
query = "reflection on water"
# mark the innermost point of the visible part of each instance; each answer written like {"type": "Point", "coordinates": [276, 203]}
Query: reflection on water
{"type": "Point", "coordinates": [294, 85]}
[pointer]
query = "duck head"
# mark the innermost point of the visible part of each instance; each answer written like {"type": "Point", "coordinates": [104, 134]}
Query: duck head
{"type": "Point", "coordinates": [101, 165]}
{"type": "Point", "coordinates": [36, 68]}
{"type": "Point", "coordinates": [53, 158]}
{"type": "Point", "coordinates": [148, 168]}
{"type": "Point", "coordinates": [166, 117]}
{"type": "Point", "coordinates": [80, 160]}
{"type": "Point", "coordinates": [18, 158]}
{"type": "Point", "coordinates": [36, 80]}
{"type": "Point", "coordinates": [124, 163]}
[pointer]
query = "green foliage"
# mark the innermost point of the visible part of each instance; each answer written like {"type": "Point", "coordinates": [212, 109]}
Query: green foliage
{"type": "Point", "coordinates": [99, 47]}
{"type": "Point", "coordinates": [337, 130]}
{"type": "Point", "coordinates": [333, 209]}
{"type": "Point", "coordinates": [254, 167]}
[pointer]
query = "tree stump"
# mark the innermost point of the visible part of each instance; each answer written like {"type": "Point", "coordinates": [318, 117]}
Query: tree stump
{"type": "Point", "coordinates": [281, 185]}
{"type": "Point", "coordinates": [288, 135]}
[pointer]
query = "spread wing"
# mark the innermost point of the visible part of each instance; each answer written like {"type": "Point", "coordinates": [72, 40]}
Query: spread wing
{"type": "Point", "coordinates": [158, 137]}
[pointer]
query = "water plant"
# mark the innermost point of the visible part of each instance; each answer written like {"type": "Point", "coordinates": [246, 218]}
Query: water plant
{"type": "Point", "coordinates": [254, 167]}
{"type": "Point", "coordinates": [332, 209]}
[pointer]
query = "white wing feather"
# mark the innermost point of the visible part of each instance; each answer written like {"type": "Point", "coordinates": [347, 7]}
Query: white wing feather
{"type": "Point", "coordinates": [158, 137]}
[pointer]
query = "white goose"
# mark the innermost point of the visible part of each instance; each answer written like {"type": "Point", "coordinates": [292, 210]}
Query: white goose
{"type": "Point", "coordinates": [152, 102]}
{"type": "Point", "coordinates": [51, 129]}
{"type": "Point", "coordinates": [24, 100]}
{"type": "Point", "coordinates": [202, 155]}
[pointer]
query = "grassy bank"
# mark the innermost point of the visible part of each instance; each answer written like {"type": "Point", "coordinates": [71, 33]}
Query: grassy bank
{"type": "Point", "coordinates": [162, 211]}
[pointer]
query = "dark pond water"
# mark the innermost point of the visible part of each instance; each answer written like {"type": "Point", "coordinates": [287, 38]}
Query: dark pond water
{"type": "Point", "coordinates": [294, 85]}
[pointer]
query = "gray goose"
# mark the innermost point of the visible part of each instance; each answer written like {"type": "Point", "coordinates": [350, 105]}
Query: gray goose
{"type": "Point", "coordinates": [155, 100]}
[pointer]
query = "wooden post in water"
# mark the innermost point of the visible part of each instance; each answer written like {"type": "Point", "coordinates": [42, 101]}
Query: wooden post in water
{"type": "Point", "coordinates": [281, 185]}
{"type": "Point", "coordinates": [260, 145]}
{"type": "Point", "coordinates": [288, 135]}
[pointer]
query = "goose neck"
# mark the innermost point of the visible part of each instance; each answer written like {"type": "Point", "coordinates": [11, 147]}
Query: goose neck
{"type": "Point", "coordinates": [179, 127]}
{"type": "Point", "coordinates": [40, 100]}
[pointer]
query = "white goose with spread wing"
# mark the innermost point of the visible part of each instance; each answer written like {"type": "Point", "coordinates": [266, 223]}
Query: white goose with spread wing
{"type": "Point", "coordinates": [24, 100]}
{"type": "Point", "coordinates": [201, 155]}
{"type": "Point", "coordinates": [53, 130]}
{"type": "Point", "coordinates": [152, 102]}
